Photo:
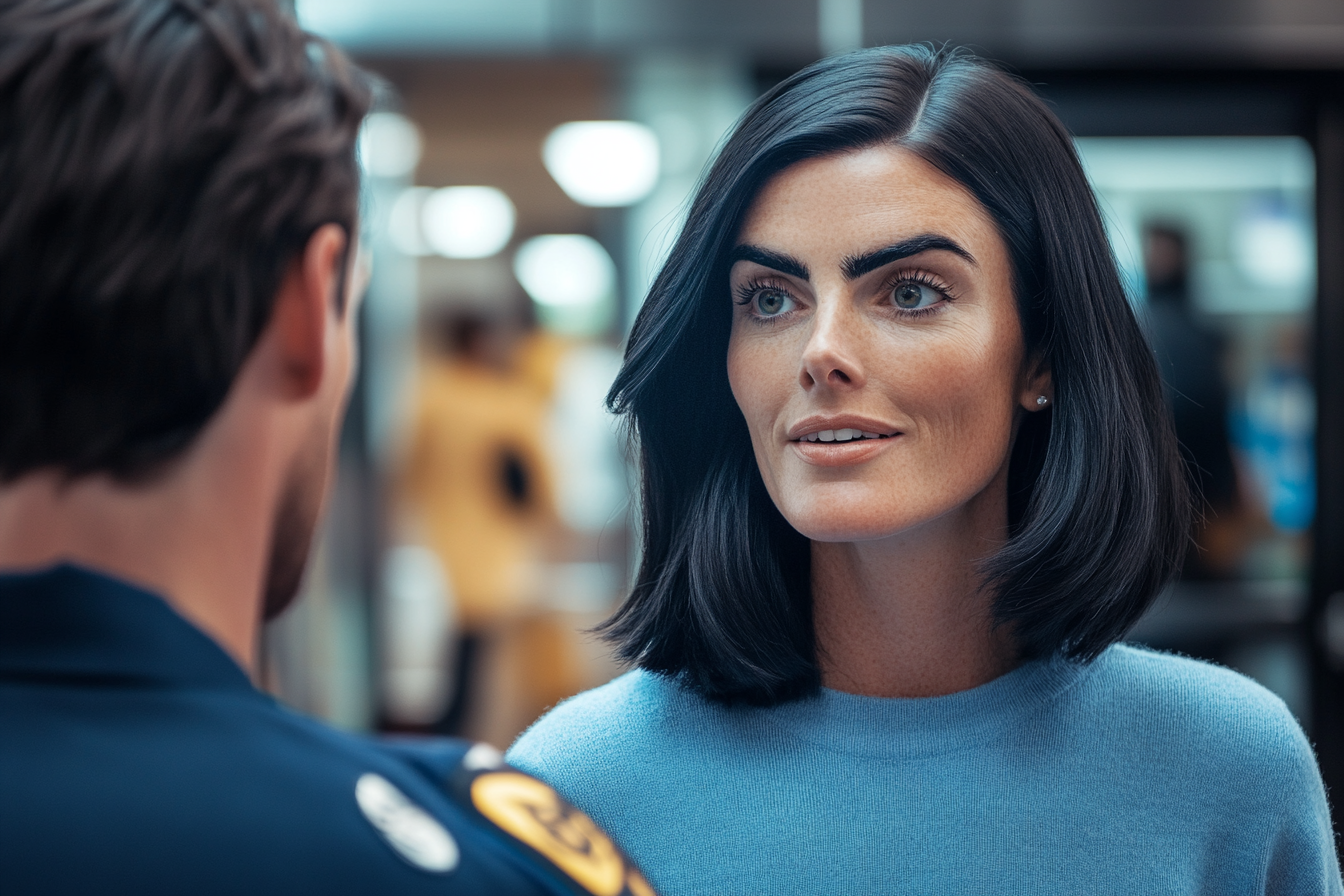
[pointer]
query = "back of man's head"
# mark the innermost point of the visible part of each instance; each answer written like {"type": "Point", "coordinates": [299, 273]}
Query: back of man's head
{"type": "Point", "coordinates": [161, 163]}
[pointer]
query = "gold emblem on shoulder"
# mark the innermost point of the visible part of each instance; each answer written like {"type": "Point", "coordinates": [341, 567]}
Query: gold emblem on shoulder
{"type": "Point", "coordinates": [637, 885]}
{"type": "Point", "coordinates": [537, 815]}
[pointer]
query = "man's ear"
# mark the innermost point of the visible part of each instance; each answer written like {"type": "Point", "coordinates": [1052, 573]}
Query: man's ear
{"type": "Point", "coordinates": [1039, 385]}
{"type": "Point", "coordinates": [304, 305]}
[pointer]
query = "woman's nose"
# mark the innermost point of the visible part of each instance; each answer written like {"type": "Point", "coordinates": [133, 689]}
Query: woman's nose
{"type": "Point", "coordinates": [831, 356]}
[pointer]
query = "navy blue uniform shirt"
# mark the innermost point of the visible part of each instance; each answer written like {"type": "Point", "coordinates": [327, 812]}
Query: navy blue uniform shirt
{"type": "Point", "coordinates": [137, 757]}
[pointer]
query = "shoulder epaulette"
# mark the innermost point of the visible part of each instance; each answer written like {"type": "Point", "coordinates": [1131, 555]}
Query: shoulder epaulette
{"type": "Point", "coordinates": [543, 825]}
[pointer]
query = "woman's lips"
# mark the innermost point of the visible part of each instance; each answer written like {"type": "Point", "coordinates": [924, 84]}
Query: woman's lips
{"type": "Point", "coordinates": [839, 427]}
{"type": "Point", "coordinates": [840, 454]}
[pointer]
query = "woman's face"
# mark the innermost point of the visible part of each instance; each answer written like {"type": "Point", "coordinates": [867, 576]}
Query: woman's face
{"type": "Point", "coordinates": [876, 351]}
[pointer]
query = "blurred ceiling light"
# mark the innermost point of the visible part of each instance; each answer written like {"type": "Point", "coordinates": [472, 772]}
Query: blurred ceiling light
{"type": "Point", "coordinates": [333, 18]}
{"type": "Point", "coordinates": [403, 222]}
{"type": "Point", "coordinates": [389, 145]}
{"type": "Point", "coordinates": [1184, 164]}
{"type": "Point", "coordinates": [467, 222]}
{"type": "Point", "coordinates": [565, 270]}
{"type": "Point", "coordinates": [603, 163]}
{"type": "Point", "coordinates": [1273, 249]}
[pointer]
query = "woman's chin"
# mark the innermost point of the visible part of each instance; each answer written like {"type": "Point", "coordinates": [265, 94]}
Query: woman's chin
{"type": "Point", "coordinates": [850, 510]}
{"type": "Point", "coordinates": [842, 528]}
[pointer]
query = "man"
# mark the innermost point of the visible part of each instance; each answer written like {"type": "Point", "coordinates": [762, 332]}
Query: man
{"type": "Point", "coordinates": [178, 203]}
{"type": "Point", "coordinates": [1190, 357]}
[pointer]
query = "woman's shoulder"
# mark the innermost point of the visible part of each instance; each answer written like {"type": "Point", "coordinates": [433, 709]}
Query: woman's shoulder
{"type": "Point", "coordinates": [1208, 736]}
{"type": "Point", "coordinates": [626, 716]}
{"type": "Point", "coordinates": [1198, 710]}
{"type": "Point", "coordinates": [1156, 680]}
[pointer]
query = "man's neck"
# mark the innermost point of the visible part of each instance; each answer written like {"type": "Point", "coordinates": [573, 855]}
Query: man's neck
{"type": "Point", "coordinates": [198, 540]}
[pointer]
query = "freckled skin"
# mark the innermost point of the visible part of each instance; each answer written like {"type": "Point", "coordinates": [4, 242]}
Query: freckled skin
{"type": "Point", "coordinates": [895, 535]}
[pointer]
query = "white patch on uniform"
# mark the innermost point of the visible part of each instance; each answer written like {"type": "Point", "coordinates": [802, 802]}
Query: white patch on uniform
{"type": "Point", "coordinates": [482, 757]}
{"type": "Point", "coordinates": [412, 832]}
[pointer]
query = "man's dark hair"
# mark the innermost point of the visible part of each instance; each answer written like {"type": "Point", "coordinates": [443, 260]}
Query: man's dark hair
{"type": "Point", "coordinates": [1097, 499]}
{"type": "Point", "coordinates": [161, 163]}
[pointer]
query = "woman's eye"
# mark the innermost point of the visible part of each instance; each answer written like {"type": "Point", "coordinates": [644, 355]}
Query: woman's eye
{"type": "Point", "coordinates": [772, 302]}
{"type": "Point", "coordinates": [910, 295]}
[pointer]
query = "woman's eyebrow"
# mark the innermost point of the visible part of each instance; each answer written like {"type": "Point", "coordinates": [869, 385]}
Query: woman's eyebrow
{"type": "Point", "coordinates": [856, 266]}
{"type": "Point", "coordinates": [778, 261]}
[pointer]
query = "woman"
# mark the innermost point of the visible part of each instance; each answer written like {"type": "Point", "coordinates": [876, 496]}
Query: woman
{"type": "Point", "coordinates": [907, 481]}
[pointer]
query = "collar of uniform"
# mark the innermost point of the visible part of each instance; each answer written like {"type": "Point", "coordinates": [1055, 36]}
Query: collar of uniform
{"type": "Point", "coordinates": [71, 624]}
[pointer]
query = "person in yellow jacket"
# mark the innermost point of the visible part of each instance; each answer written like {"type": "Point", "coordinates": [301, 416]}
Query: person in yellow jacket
{"type": "Point", "coordinates": [477, 484]}
{"type": "Point", "coordinates": [476, 473]}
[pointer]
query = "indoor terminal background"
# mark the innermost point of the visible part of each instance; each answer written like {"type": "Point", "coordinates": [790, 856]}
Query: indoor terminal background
{"type": "Point", "coordinates": [527, 167]}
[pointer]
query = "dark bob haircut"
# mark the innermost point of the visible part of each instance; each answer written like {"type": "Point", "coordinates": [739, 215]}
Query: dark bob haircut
{"type": "Point", "coordinates": [1098, 506]}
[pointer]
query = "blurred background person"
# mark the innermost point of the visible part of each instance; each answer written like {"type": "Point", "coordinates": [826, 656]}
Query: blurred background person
{"type": "Point", "coordinates": [1190, 359]}
{"type": "Point", "coordinates": [476, 485]}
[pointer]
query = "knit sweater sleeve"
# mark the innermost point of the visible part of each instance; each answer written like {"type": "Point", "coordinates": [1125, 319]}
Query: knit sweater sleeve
{"type": "Point", "coordinates": [1301, 856]}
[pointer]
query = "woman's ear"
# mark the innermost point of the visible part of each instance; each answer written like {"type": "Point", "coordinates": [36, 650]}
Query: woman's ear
{"type": "Point", "coordinates": [1039, 391]}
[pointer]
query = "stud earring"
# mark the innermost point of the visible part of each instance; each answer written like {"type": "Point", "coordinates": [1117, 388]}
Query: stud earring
{"type": "Point", "coordinates": [1041, 401]}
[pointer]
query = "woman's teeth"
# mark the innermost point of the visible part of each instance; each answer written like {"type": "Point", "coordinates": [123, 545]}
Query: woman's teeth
{"type": "Point", "coordinates": [840, 435]}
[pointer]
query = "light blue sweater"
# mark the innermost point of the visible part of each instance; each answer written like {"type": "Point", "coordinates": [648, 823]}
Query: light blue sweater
{"type": "Point", "coordinates": [1142, 773]}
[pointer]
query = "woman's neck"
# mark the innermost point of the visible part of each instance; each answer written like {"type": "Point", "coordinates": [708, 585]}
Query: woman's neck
{"type": "Point", "coordinates": [907, 616]}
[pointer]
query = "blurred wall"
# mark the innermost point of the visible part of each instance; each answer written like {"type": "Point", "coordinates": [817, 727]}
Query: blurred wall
{"type": "Point", "coordinates": [1297, 33]}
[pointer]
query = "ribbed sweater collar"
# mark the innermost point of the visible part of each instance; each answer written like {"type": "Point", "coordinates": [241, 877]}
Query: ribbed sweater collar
{"type": "Point", "coordinates": [907, 728]}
